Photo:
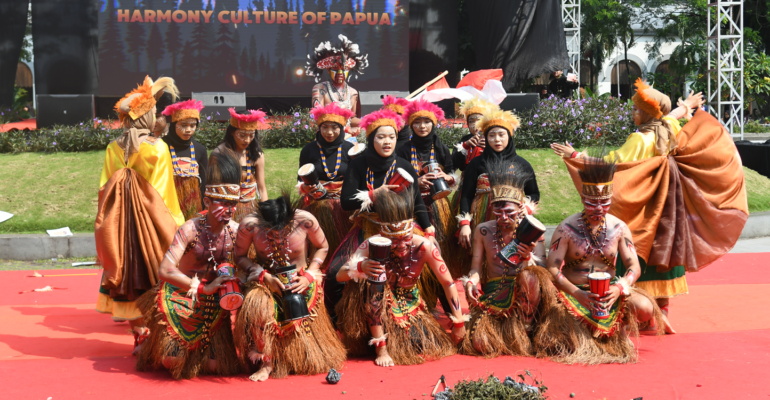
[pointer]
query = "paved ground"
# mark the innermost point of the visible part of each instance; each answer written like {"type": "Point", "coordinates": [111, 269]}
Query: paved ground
{"type": "Point", "coordinates": [759, 245]}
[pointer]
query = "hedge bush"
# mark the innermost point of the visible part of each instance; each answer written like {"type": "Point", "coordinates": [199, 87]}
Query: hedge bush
{"type": "Point", "coordinates": [585, 122]}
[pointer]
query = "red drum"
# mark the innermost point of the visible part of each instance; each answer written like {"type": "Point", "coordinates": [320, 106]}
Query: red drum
{"type": "Point", "coordinates": [599, 283]}
{"type": "Point", "coordinates": [230, 296]}
{"type": "Point", "coordinates": [402, 179]}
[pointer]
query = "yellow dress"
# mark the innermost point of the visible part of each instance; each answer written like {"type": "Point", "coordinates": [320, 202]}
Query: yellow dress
{"type": "Point", "coordinates": [153, 163]}
{"type": "Point", "coordinates": [641, 146]}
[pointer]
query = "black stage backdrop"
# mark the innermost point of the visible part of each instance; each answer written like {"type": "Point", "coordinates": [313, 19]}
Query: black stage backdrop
{"type": "Point", "coordinates": [432, 41]}
{"type": "Point", "coordinates": [66, 43]}
{"type": "Point", "coordinates": [13, 22]}
{"type": "Point", "coordinates": [210, 46]}
{"type": "Point", "coordinates": [523, 37]}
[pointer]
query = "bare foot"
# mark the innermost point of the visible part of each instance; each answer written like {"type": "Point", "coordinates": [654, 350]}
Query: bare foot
{"type": "Point", "coordinates": [212, 365]}
{"type": "Point", "coordinates": [667, 325]}
{"type": "Point", "coordinates": [262, 374]}
{"type": "Point", "coordinates": [383, 358]}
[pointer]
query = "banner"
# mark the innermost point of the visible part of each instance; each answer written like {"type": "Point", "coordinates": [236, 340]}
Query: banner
{"type": "Point", "coordinates": [259, 47]}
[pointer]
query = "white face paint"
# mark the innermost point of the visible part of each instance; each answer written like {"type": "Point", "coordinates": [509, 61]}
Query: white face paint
{"type": "Point", "coordinates": [498, 138]}
{"type": "Point", "coordinates": [385, 140]}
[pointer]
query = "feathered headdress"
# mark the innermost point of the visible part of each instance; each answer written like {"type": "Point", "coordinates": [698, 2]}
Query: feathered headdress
{"type": "Point", "coordinates": [597, 175]}
{"type": "Point", "coordinates": [380, 118]}
{"type": "Point", "coordinates": [141, 100]}
{"type": "Point", "coordinates": [505, 183]}
{"type": "Point", "coordinates": [184, 110]}
{"type": "Point", "coordinates": [503, 119]}
{"type": "Point", "coordinates": [223, 177]}
{"type": "Point", "coordinates": [346, 57]}
{"type": "Point", "coordinates": [477, 105]}
{"type": "Point", "coordinates": [651, 101]}
{"type": "Point", "coordinates": [331, 113]}
{"type": "Point", "coordinates": [247, 122]}
{"type": "Point", "coordinates": [423, 109]}
{"type": "Point", "coordinates": [395, 104]}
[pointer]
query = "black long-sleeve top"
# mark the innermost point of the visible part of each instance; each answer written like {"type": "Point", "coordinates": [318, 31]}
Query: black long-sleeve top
{"type": "Point", "coordinates": [458, 158]}
{"type": "Point", "coordinates": [403, 136]}
{"type": "Point", "coordinates": [441, 152]}
{"type": "Point", "coordinates": [202, 158]}
{"type": "Point", "coordinates": [477, 167]}
{"type": "Point", "coordinates": [310, 154]}
{"type": "Point", "coordinates": [356, 180]}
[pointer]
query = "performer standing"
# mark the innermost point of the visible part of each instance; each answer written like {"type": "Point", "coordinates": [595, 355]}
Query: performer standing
{"type": "Point", "coordinates": [398, 105]}
{"type": "Point", "coordinates": [368, 175]}
{"type": "Point", "coordinates": [161, 125]}
{"type": "Point", "coordinates": [328, 154]}
{"type": "Point", "coordinates": [465, 150]}
{"type": "Point", "coordinates": [504, 313]}
{"type": "Point", "coordinates": [266, 334]}
{"type": "Point", "coordinates": [657, 136]}
{"type": "Point", "coordinates": [241, 137]}
{"type": "Point", "coordinates": [426, 148]}
{"type": "Point", "coordinates": [339, 61]}
{"type": "Point", "coordinates": [589, 328]}
{"type": "Point", "coordinates": [136, 180]}
{"type": "Point", "coordinates": [393, 313]}
{"type": "Point", "coordinates": [189, 158]}
{"type": "Point", "coordinates": [190, 334]}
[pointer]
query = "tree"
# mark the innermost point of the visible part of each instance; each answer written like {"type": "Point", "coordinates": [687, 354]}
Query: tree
{"type": "Point", "coordinates": [253, 67]}
{"type": "Point", "coordinates": [284, 41]}
{"type": "Point", "coordinates": [279, 71]}
{"type": "Point", "coordinates": [135, 43]}
{"type": "Point", "coordinates": [154, 48]}
{"type": "Point", "coordinates": [243, 64]}
{"type": "Point", "coordinates": [173, 44]}
{"type": "Point", "coordinates": [187, 66]}
{"type": "Point", "coordinates": [264, 67]}
{"type": "Point", "coordinates": [111, 54]}
{"type": "Point", "coordinates": [201, 47]}
{"type": "Point", "coordinates": [224, 53]}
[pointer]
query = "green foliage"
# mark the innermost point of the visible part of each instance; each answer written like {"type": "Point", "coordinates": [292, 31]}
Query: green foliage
{"type": "Point", "coordinates": [18, 110]}
{"type": "Point", "coordinates": [756, 77]}
{"type": "Point", "coordinates": [755, 127]}
{"type": "Point", "coordinates": [592, 122]}
{"type": "Point", "coordinates": [493, 389]}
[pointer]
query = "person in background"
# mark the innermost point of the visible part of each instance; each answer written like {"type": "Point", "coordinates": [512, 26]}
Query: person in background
{"type": "Point", "coordinates": [562, 85]}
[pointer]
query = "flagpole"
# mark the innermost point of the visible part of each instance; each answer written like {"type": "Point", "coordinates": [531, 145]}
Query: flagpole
{"type": "Point", "coordinates": [423, 87]}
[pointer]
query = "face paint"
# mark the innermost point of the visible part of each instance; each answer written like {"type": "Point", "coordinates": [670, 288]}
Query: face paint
{"type": "Point", "coordinates": [596, 209]}
{"type": "Point", "coordinates": [401, 245]}
{"type": "Point", "coordinates": [222, 210]}
{"type": "Point", "coordinates": [505, 213]}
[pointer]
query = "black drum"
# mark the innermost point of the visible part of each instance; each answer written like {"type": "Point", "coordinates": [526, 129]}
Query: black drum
{"type": "Point", "coordinates": [529, 230]}
{"type": "Point", "coordinates": [309, 177]}
{"type": "Point", "coordinates": [440, 188]}
{"type": "Point", "coordinates": [294, 306]}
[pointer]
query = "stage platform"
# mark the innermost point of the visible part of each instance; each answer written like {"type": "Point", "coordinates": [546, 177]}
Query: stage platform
{"type": "Point", "coordinates": [53, 345]}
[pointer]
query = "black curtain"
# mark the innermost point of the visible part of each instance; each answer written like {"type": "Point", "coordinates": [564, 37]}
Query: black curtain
{"type": "Point", "coordinates": [525, 38]}
{"type": "Point", "coordinates": [66, 35]}
{"type": "Point", "coordinates": [13, 22]}
{"type": "Point", "coordinates": [432, 41]}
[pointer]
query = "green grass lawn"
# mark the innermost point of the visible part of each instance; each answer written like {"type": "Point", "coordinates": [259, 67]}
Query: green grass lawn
{"type": "Point", "coordinates": [48, 191]}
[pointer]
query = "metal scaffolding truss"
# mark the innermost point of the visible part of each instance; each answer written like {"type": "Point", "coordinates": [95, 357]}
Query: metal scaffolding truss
{"type": "Point", "coordinates": [570, 15]}
{"type": "Point", "coordinates": [725, 63]}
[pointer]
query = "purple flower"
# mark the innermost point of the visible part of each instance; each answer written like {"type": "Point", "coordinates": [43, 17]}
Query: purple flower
{"type": "Point", "coordinates": [598, 129]}
{"type": "Point", "coordinates": [27, 143]}
{"type": "Point", "coordinates": [559, 130]}
{"type": "Point", "coordinates": [296, 114]}
{"type": "Point", "coordinates": [605, 106]}
{"type": "Point", "coordinates": [108, 135]}
{"type": "Point", "coordinates": [559, 122]}
{"type": "Point", "coordinates": [607, 117]}
{"type": "Point", "coordinates": [581, 131]}
{"type": "Point", "coordinates": [217, 112]}
{"type": "Point", "coordinates": [624, 128]}
{"type": "Point", "coordinates": [581, 107]}
{"type": "Point", "coordinates": [56, 133]}
{"type": "Point", "coordinates": [588, 137]}
{"type": "Point", "coordinates": [620, 118]}
{"type": "Point", "coordinates": [81, 124]}
{"type": "Point", "coordinates": [530, 122]}
{"type": "Point", "coordinates": [296, 123]}
{"type": "Point", "coordinates": [96, 119]}
{"type": "Point", "coordinates": [535, 116]}
{"type": "Point", "coordinates": [554, 107]}
{"type": "Point", "coordinates": [293, 130]}
{"type": "Point", "coordinates": [305, 126]}
{"type": "Point", "coordinates": [54, 143]}
{"type": "Point", "coordinates": [104, 129]}
{"type": "Point", "coordinates": [208, 118]}
{"type": "Point", "coordinates": [543, 123]}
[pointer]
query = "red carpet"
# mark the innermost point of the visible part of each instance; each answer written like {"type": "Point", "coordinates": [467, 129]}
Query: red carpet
{"type": "Point", "coordinates": [27, 124]}
{"type": "Point", "coordinates": [53, 344]}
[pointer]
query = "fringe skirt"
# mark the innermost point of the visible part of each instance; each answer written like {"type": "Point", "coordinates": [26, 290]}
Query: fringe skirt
{"type": "Point", "coordinates": [570, 339]}
{"type": "Point", "coordinates": [189, 345]}
{"type": "Point", "coordinates": [189, 194]}
{"type": "Point", "coordinates": [496, 327]}
{"type": "Point", "coordinates": [414, 336]}
{"type": "Point", "coordinates": [334, 221]}
{"type": "Point", "coordinates": [309, 346]}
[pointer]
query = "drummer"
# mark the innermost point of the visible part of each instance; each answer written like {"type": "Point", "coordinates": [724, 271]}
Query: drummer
{"type": "Point", "coordinates": [431, 161]}
{"type": "Point", "coordinates": [504, 309]}
{"type": "Point", "coordinates": [189, 333]}
{"type": "Point", "coordinates": [367, 175]}
{"type": "Point", "coordinates": [323, 164]}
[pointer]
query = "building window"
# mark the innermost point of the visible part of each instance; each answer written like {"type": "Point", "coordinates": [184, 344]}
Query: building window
{"type": "Point", "coordinates": [627, 78]}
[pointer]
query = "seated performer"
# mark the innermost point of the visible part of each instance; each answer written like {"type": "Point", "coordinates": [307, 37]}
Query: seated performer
{"type": "Point", "coordinates": [504, 312]}
{"type": "Point", "coordinates": [190, 334]}
{"type": "Point", "coordinates": [471, 145]}
{"type": "Point", "coordinates": [241, 137]}
{"type": "Point", "coordinates": [189, 157]}
{"type": "Point", "coordinates": [137, 205]}
{"type": "Point", "coordinates": [339, 61]}
{"type": "Point", "coordinates": [393, 313]}
{"type": "Point", "coordinates": [587, 243]}
{"type": "Point", "coordinates": [328, 154]}
{"type": "Point", "coordinates": [398, 105]}
{"type": "Point", "coordinates": [266, 335]}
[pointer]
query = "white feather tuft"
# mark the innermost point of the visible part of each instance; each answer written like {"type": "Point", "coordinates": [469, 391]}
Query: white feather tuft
{"type": "Point", "coordinates": [461, 149]}
{"type": "Point", "coordinates": [376, 341]}
{"type": "Point", "coordinates": [464, 217]}
{"type": "Point", "coordinates": [353, 272]}
{"type": "Point", "coordinates": [192, 292]}
{"type": "Point", "coordinates": [464, 318]}
{"type": "Point", "coordinates": [366, 201]}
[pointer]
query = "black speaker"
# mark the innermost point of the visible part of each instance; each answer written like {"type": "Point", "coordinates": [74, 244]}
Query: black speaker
{"type": "Point", "coordinates": [372, 101]}
{"type": "Point", "coordinates": [217, 103]}
{"type": "Point", "coordinates": [64, 109]}
{"type": "Point", "coordinates": [520, 102]}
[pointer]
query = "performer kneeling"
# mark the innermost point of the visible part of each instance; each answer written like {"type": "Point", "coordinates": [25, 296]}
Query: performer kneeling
{"type": "Point", "coordinates": [515, 289]}
{"type": "Point", "coordinates": [386, 303]}
{"type": "Point", "coordinates": [594, 322]}
{"type": "Point", "coordinates": [283, 326]}
{"type": "Point", "coordinates": [189, 332]}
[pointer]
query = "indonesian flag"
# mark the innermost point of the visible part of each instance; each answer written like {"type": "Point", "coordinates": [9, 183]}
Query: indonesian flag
{"type": "Point", "coordinates": [484, 84]}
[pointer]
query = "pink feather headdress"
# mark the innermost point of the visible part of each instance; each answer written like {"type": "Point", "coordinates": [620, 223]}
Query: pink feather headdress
{"type": "Point", "coordinates": [331, 113]}
{"type": "Point", "coordinates": [379, 118]}
{"type": "Point", "coordinates": [396, 104]}
{"type": "Point", "coordinates": [424, 109]}
{"type": "Point", "coordinates": [247, 122]}
{"type": "Point", "coordinates": [184, 109]}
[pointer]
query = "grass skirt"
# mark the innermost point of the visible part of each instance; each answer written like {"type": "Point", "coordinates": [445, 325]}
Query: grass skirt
{"type": "Point", "coordinates": [496, 326]}
{"type": "Point", "coordinates": [567, 339]}
{"type": "Point", "coordinates": [191, 358]}
{"type": "Point", "coordinates": [189, 194]}
{"type": "Point", "coordinates": [412, 338]}
{"type": "Point", "coordinates": [305, 347]}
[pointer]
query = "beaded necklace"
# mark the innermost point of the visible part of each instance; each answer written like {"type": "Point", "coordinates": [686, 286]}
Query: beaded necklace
{"type": "Point", "coordinates": [416, 164]}
{"type": "Point", "coordinates": [592, 242]}
{"type": "Point", "coordinates": [500, 244]}
{"type": "Point", "coordinates": [248, 174]}
{"type": "Point", "coordinates": [212, 242]}
{"type": "Point", "coordinates": [279, 246]}
{"type": "Point", "coordinates": [336, 167]}
{"type": "Point", "coordinates": [193, 171]}
{"type": "Point", "coordinates": [370, 176]}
